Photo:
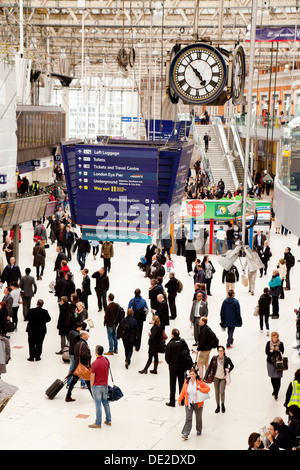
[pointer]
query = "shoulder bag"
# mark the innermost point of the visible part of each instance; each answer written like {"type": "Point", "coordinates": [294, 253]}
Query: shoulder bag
{"type": "Point", "coordinates": [114, 393]}
{"type": "Point", "coordinates": [83, 372]}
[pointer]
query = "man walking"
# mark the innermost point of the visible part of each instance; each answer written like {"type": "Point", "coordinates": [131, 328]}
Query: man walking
{"type": "Point", "coordinates": [206, 342]}
{"type": "Point", "coordinates": [36, 329]}
{"type": "Point", "coordinates": [99, 387]}
{"type": "Point", "coordinates": [173, 356]}
{"type": "Point", "coordinates": [110, 321]}
{"type": "Point", "coordinates": [199, 309]}
{"type": "Point", "coordinates": [83, 248]}
{"type": "Point", "coordinates": [140, 310]}
{"type": "Point", "coordinates": [230, 316]}
{"type": "Point", "coordinates": [230, 277]}
{"type": "Point", "coordinates": [28, 290]}
{"type": "Point", "coordinates": [128, 331]}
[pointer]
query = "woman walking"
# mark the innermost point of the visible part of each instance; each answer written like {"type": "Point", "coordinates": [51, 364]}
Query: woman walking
{"type": "Point", "coordinates": [39, 256]}
{"type": "Point", "coordinates": [155, 340]}
{"type": "Point", "coordinates": [219, 367]}
{"type": "Point", "coordinates": [208, 272]}
{"type": "Point", "coordinates": [189, 394]}
{"type": "Point", "coordinates": [274, 350]}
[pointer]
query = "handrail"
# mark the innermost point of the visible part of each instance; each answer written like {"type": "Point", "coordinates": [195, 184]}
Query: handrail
{"type": "Point", "coordinates": [240, 149]}
{"type": "Point", "coordinates": [220, 134]}
{"type": "Point", "coordinates": [204, 158]}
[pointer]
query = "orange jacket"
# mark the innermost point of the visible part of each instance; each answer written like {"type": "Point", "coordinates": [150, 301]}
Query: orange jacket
{"type": "Point", "coordinates": [202, 386]}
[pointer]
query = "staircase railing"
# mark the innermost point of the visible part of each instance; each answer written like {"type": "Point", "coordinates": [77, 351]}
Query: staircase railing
{"type": "Point", "coordinates": [219, 132]}
{"type": "Point", "coordinates": [240, 149]}
{"type": "Point", "coordinates": [204, 159]}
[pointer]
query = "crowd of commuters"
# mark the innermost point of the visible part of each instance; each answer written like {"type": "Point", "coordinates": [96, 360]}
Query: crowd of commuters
{"type": "Point", "coordinates": [193, 376]}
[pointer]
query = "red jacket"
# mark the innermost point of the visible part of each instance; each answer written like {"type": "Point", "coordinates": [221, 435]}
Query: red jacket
{"type": "Point", "coordinates": [202, 386]}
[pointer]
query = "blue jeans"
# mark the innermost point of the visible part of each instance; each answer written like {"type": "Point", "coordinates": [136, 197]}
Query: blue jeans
{"type": "Point", "coordinates": [220, 245]}
{"type": "Point", "coordinates": [72, 362]}
{"type": "Point", "coordinates": [99, 393]}
{"type": "Point", "coordinates": [112, 338]}
{"type": "Point", "coordinates": [81, 259]}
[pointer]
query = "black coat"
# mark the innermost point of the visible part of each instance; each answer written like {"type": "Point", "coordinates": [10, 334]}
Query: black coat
{"type": "Point", "coordinates": [68, 288]}
{"type": "Point", "coordinates": [264, 303]}
{"type": "Point", "coordinates": [173, 353]}
{"type": "Point", "coordinates": [11, 274]}
{"type": "Point", "coordinates": [102, 282]}
{"type": "Point", "coordinates": [154, 341]}
{"type": "Point", "coordinates": [171, 285]}
{"type": "Point", "coordinates": [60, 257]}
{"type": "Point", "coordinates": [82, 245]}
{"type": "Point", "coordinates": [64, 322]}
{"type": "Point", "coordinates": [149, 253]}
{"type": "Point", "coordinates": [86, 286]}
{"type": "Point", "coordinates": [37, 319]}
{"type": "Point", "coordinates": [163, 313]}
{"type": "Point", "coordinates": [134, 332]}
{"type": "Point", "coordinates": [153, 293]}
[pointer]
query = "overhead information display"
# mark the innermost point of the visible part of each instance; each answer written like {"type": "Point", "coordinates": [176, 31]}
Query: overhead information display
{"type": "Point", "coordinates": [116, 186]}
{"type": "Point", "coordinates": [22, 210]}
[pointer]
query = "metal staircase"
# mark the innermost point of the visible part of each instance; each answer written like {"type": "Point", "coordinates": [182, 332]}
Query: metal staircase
{"type": "Point", "coordinates": [215, 157]}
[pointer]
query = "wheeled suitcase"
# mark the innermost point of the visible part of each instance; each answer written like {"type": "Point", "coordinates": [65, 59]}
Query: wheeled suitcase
{"type": "Point", "coordinates": [53, 390]}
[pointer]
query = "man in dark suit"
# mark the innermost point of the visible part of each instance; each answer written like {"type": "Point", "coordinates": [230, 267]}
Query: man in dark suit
{"type": "Point", "coordinates": [28, 290]}
{"type": "Point", "coordinates": [258, 242]}
{"type": "Point", "coordinates": [36, 329]}
{"type": "Point", "coordinates": [150, 251]}
{"type": "Point", "coordinates": [279, 439]}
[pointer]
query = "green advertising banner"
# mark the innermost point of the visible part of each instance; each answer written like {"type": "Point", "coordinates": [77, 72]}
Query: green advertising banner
{"type": "Point", "coordinates": [218, 209]}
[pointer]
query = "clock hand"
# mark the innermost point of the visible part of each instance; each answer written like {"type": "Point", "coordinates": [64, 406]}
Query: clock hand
{"type": "Point", "coordinates": [198, 74]}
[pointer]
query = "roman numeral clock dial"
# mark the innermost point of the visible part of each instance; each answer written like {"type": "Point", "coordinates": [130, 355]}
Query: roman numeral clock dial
{"type": "Point", "coordinates": [198, 74]}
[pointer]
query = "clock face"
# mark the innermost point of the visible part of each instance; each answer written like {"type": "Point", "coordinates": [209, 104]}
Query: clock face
{"type": "Point", "coordinates": [238, 75]}
{"type": "Point", "coordinates": [198, 73]}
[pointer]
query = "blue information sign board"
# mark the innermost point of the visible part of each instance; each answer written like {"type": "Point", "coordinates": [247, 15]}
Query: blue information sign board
{"type": "Point", "coordinates": [116, 185]}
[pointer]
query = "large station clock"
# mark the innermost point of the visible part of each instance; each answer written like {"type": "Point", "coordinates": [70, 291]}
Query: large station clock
{"type": "Point", "coordinates": [238, 74]}
{"type": "Point", "coordinates": [198, 73]}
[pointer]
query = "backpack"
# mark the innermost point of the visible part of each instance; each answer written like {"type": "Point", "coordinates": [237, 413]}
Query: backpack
{"type": "Point", "coordinates": [231, 275]}
{"type": "Point", "coordinates": [120, 315]}
{"type": "Point", "coordinates": [179, 286]}
{"type": "Point", "coordinates": [212, 340]}
{"type": "Point", "coordinates": [186, 361]}
{"type": "Point", "coordinates": [123, 330]}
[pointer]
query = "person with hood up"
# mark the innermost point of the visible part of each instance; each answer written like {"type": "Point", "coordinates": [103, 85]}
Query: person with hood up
{"type": "Point", "coordinates": [230, 316]}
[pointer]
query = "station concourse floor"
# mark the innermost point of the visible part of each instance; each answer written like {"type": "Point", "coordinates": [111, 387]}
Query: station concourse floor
{"type": "Point", "coordinates": [141, 420]}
